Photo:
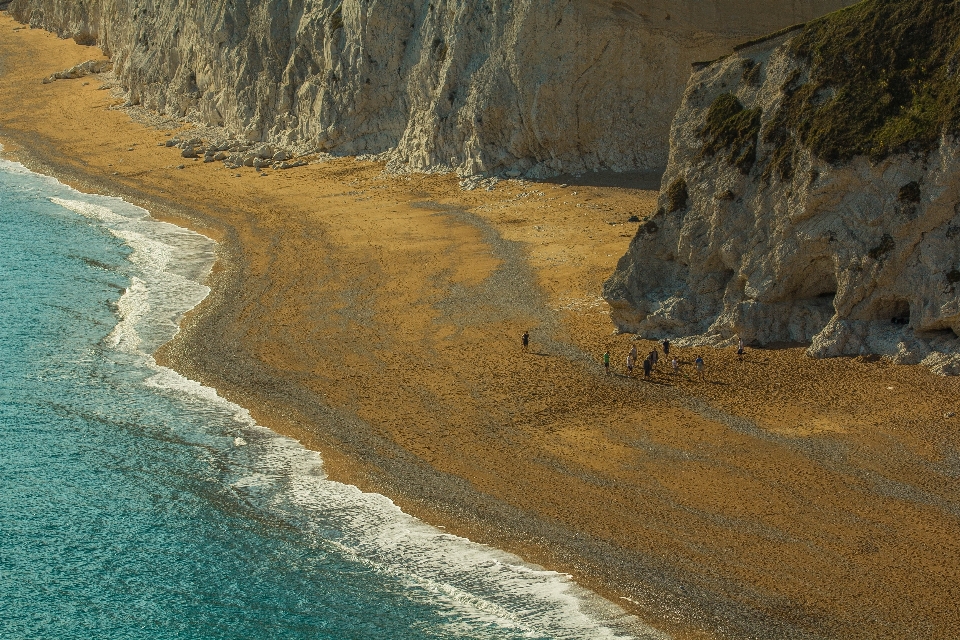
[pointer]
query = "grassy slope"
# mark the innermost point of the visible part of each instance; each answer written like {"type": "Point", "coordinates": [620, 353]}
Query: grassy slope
{"type": "Point", "coordinates": [884, 79]}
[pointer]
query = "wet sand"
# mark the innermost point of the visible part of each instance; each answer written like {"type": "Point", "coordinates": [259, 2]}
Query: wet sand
{"type": "Point", "coordinates": [377, 319]}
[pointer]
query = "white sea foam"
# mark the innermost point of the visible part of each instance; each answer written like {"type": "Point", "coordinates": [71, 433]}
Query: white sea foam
{"type": "Point", "coordinates": [171, 381]}
{"type": "Point", "coordinates": [170, 262]}
{"type": "Point", "coordinates": [133, 305]}
{"type": "Point", "coordinates": [15, 168]}
{"type": "Point", "coordinates": [90, 210]}
{"type": "Point", "coordinates": [482, 585]}
{"type": "Point", "coordinates": [150, 255]}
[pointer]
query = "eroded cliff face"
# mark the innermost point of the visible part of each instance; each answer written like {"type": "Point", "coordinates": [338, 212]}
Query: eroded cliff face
{"type": "Point", "coordinates": [800, 205]}
{"type": "Point", "coordinates": [480, 87]}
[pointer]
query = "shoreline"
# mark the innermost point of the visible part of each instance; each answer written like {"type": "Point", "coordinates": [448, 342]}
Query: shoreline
{"type": "Point", "coordinates": [523, 452]}
{"type": "Point", "coordinates": [280, 419]}
{"type": "Point", "coordinates": [159, 290]}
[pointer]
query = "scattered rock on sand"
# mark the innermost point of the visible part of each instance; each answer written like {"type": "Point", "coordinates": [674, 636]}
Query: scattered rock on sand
{"type": "Point", "coordinates": [264, 151]}
{"type": "Point", "coordinates": [81, 70]}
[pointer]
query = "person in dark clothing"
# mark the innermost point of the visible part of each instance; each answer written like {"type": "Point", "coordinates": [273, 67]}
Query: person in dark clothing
{"type": "Point", "coordinates": [653, 357]}
{"type": "Point", "coordinates": [666, 348]}
{"type": "Point", "coordinates": [647, 368]}
{"type": "Point", "coordinates": [525, 339]}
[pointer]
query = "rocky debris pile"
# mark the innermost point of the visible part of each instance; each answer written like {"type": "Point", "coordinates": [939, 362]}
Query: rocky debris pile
{"type": "Point", "coordinates": [469, 183]}
{"type": "Point", "coordinates": [235, 153]}
{"type": "Point", "coordinates": [808, 203]}
{"type": "Point", "coordinates": [81, 70]}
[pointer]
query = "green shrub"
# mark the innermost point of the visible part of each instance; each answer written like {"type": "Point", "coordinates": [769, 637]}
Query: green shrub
{"type": "Point", "coordinates": [730, 127]}
{"type": "Point", "coordinates": [677, 194]}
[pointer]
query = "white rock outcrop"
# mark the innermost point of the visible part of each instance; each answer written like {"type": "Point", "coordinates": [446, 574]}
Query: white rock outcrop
{"type": "Point", "coordinates": [861, 257]}
{"type": "Point", "coordinates": [478, 86]}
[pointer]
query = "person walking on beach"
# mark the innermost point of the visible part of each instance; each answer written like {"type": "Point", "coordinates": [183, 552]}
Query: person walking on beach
{"type": "Point", "coordinates": [654, 356]}
{"type": "Point", "coordinates": [525, 339]}
{"type": "Point", "coordinates": [698, 363]}
{"type": "Point", "coordinates": [675, 365]}
{"type": "Point", "coordinates": [647, 368]}
{"type": "Point", "coordinates": [739, 348]}
{"type": "Point", "coordinates": [666, 348]}
{"type": "Point", "coordinates": [629, 365]}
{"type": "Point", "coordinates": [606, 362]}
{"type": "Point", "coordinates": [633, 352]}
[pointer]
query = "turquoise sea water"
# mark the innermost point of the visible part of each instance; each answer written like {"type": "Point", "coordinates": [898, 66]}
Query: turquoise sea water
{"type": "Point", "coordinates": [137, 504]}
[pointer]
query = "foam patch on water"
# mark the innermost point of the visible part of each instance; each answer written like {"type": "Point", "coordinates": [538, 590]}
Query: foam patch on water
{"type": "Point", "coordinates": [90, 210]}
{"type": "Point", "coordinates": [170, 381]}
{"type": "Point", "coordinates": [152, 256]}
{"type": "Point", "coordinates": [133, 305]}
{"type": "Point", "coordinates": [169, 263]}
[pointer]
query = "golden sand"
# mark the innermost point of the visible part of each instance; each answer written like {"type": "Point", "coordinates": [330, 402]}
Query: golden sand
{"type": "Point", "coordinates": [377, 318]}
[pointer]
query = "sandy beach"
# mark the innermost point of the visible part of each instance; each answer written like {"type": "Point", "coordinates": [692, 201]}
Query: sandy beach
{"type": "Point", "coordinates": [377, 318]}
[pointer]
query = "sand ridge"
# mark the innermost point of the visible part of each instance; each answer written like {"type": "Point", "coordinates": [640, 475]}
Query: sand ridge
{"type": "Point", "coordinates": [377, 318]}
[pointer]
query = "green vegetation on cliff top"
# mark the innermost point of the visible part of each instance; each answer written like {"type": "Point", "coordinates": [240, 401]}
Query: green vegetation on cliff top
{"type": "Point", "coordinates": [884, 78]}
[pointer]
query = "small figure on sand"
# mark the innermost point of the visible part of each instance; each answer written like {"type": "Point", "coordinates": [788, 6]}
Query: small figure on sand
{"type": "Point", "coordinates": [740, 348]}
{"type": "Point", "coordinates": [629, 364]}
{"type": "Point", "coordinates": [654, 356]}
{"type": "Point", "coordinates": [647, 368]}
{"type": "Point", "coordinates": [633, 352]}
{"type": "Point", "coordinates": [666, 348]}
{"type": "Point", "coordinates": [606, 362]}
{"type": "Point", "coordinates": [698, 363]}
{"type": "Point", "coordinates": [525, 339]}
{"type": "Point", "coordinates": [675, 365]}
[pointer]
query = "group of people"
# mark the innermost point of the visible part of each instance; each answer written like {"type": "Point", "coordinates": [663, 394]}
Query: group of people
{"type": "Point", "coordinates": [650, 362]}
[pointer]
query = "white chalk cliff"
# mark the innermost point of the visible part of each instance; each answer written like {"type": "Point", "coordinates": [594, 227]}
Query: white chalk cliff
{"type": "Point", "coordinates": [490, 86]}
{"type": "Point", "coordinates": [759, 236]}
